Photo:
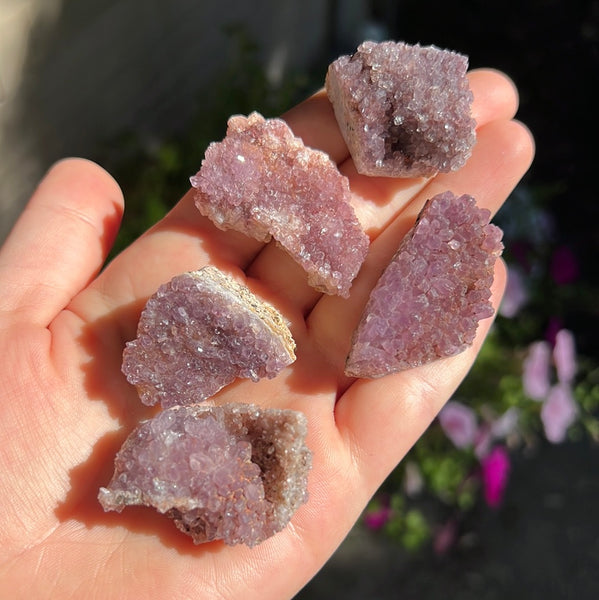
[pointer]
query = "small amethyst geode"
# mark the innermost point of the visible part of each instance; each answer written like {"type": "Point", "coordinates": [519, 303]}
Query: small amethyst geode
{"type": "Point", "coordinates": [235, 473]}
{"type": "Point", "coordinates": [430, 298]}
{"type": "Point", "coordinates": [403, 110]}
{"type": "Point", "coordinates": [263, 181]}
{"type": "Point", "coordinates": [199, 332]}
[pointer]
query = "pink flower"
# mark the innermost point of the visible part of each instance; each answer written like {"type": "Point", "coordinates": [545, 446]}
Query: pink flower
{"type": "Point", "coordinates": [564, 266]}
{"type": "Point", "coordinates": [515, 294]}
{"type": "Point", "coordinates": [564, 356]}
{"type": "Point", "coordinates": [459, 423]}
{"type": "Point", "coordinates": [377, 519]}
{"type": "Point", "coordinates": [495, 472]}
{"type": "Point", "coordinates": [535, 375]}
{"type": "Point", "coordinates": [559, 411]}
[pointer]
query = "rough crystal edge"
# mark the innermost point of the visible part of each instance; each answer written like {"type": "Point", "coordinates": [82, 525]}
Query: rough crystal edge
{"type": "Point", "coordinates": [489, 229]}
{"type": "Point", "coordinates": [210, 276]}
{"type": "Point", "coordinates": [315, 277]}
{"type": "Point", "coordinates": [343, 108]}
{"type": "Point", "coordinates": [271, 317]}
{"type": "Point", "coordinates": [283, 507]}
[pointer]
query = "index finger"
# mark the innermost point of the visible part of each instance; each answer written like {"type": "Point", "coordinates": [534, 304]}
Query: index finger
{"type": "Point", "coordinates": [184, 240]}
{"type": "Point", "coordinates": [313, 120]}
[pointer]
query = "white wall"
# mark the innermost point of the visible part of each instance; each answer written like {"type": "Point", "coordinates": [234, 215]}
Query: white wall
{"type": "Point", "coordinates": [76, 72]}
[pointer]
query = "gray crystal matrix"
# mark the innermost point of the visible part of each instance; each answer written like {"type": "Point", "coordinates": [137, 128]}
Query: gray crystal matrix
{"type": "Point", "coordinates": [199, 332]}
{"type": "Point", "coordinates": [430, 298]}
{"type": "Point", "coordinates": [403, 110]}
{"type": "Point", "coordinates": [235, 473]}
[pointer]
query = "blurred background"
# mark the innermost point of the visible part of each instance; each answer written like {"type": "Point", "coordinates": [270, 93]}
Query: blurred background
{"type": "Point", "coordinates": [509, 508]}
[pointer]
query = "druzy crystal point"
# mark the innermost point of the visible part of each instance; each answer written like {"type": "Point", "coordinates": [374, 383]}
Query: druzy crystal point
{"type": "Point", "coordinates": [430, 298]}
{"type": "Point", "coordinates": [404, 110]}
{"type": "Point", "coordinates": [235, 473]}
{"type": "Point", "coordinates": [199, 332]}
{"type": "Point", "coordinates": [263, 181]}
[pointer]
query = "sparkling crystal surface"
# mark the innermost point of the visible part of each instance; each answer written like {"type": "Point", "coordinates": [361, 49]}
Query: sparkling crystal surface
{"type": "Point", "coordinates": [235, 473]}
{"type": "Point", "coordinates": [404, 110]}
{"type": "Point", "coordinates": [429, 300]}
{"type": "Point", "coordinates": [263, 181]}
{"type": "Point", "coordinates": [199, 332]}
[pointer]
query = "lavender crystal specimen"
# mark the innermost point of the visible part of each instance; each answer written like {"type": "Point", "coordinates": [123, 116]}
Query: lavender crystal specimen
{"type": "Point", "coordinates": [429, 300]}
{"type": "Point", "coordinates": [235, 473]}
{"type": "Point", "coordinates": [404, 110]}
{"type": "Point", "coordinates": [199, 332]}
{"type": "Point", "coordinates": [262, 180]}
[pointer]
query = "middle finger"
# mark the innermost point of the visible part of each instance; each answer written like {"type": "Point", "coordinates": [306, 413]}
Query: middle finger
{"type": "Point", "coordinates": [377, 201]}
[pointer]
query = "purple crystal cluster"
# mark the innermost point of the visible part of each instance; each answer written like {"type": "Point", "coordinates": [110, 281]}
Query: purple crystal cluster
{"type": "Point", "coordinates": [235, 473]}
{"type": "Point", "coordinates": [263, 181]}
{"type": "Point", "coordinates": [430, 298]}
{"type": "Point", "coordinates": [404, 110]}
{"type": "Point", "coordinates": [238, 472]}
{"type": "Point", "coordinates": [199, 332]}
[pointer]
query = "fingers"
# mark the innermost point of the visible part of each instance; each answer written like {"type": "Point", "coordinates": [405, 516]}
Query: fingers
{"type": "Point", "coordinates": [500, 158]}
{"type": "Point", "coordinates": [185, 240]}
{"type": "Point", "coordinates": [495, 97]}
{"type": "Point", "coordinates": [313, 120]}
{"type": "Point", "coordinates": [60, 241]}
{"type": "Point", "coordinates": [182, 241]}
{"type": "Point", "coordinates": [399, 407]}
{"type": "Point", "coordinates": [376, 200]}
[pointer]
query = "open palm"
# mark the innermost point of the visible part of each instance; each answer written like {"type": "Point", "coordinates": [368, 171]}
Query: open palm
{"type": "Point", "coordinates": [66, 408]}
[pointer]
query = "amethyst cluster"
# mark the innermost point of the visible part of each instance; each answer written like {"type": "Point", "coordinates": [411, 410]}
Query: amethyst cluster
{"type": "Point", "coordinates": [404, 110]}
{"type": "Point", "coordinates": [430, 298]}
{"type": "Point", "coordinates": [263, 181]}
{"type": "Point", "coordinates": [199, 332]}
{"type": "Point", "coordinates": [235, 473]}
{"type": "Point", "coordinates": [238, 472]}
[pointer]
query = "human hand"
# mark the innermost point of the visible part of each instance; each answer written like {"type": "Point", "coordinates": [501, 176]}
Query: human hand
{"type": "Point", "coordinates": [66, 408]}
